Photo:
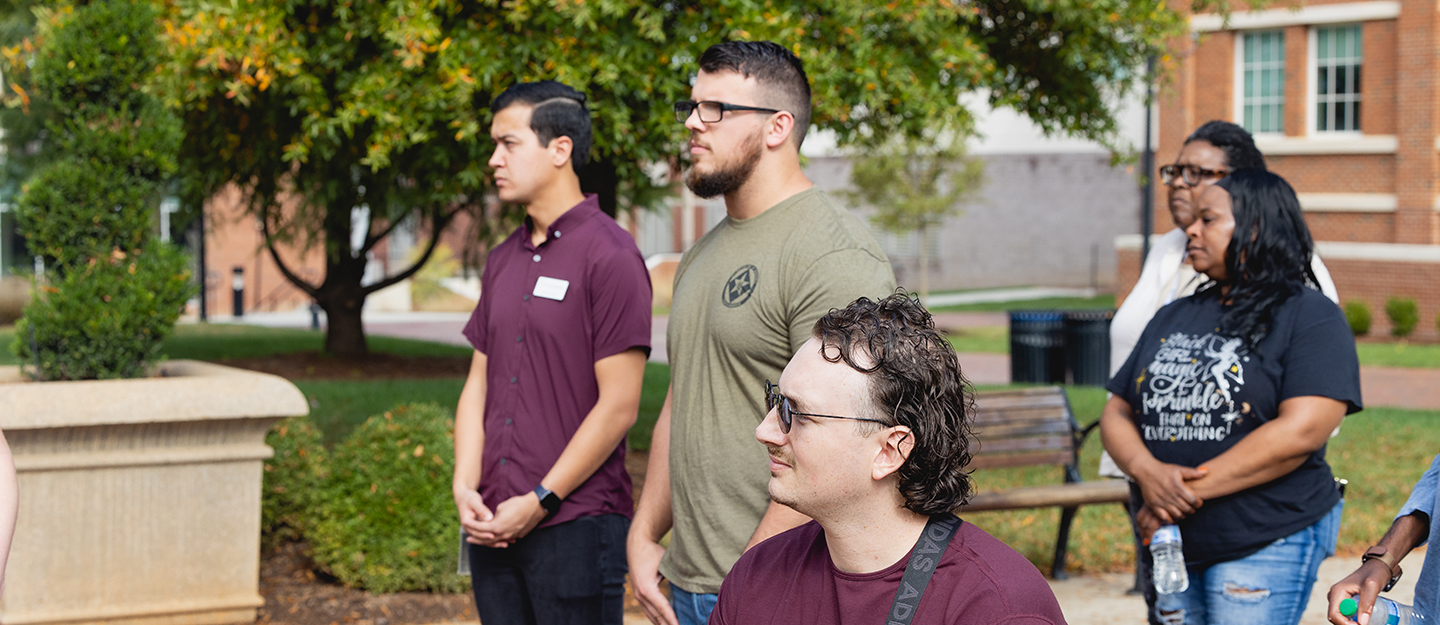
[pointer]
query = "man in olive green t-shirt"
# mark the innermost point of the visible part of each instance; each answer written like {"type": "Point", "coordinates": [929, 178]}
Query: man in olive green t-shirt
{"type": "Point", "coordinates": [745, 300]}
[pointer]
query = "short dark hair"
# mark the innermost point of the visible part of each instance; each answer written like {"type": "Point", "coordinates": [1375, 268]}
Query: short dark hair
{"type": "Point", "coordinates": [1234, 141]}
{"type": "Point", "coordinates": [779, 73]}
{"type": "Point", "coordinates": [915, 381]}
{"type": "Point", "coordinates": [558, 110]}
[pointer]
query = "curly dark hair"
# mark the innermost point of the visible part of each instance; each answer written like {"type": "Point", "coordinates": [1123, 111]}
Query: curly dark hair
{"type": "Point", "coordinates": [915, 381]}
{"type": "Point", "coordinates": [1268, 259]}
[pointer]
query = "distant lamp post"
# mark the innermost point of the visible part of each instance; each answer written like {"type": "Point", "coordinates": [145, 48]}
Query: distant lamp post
{"type": "Point", "coordinates": [237, 286]}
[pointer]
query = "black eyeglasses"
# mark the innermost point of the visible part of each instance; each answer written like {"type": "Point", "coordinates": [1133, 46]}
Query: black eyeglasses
{"type": "Point", "coordinates": [711, 111]}
{"type": "Point", "coordinates": [773, 398]}
{"type": "Point", "coordinates": [1191, 174]}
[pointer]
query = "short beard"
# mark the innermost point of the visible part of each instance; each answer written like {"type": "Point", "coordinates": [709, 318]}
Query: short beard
{"type": "Point", "coordinates": [730, 176]}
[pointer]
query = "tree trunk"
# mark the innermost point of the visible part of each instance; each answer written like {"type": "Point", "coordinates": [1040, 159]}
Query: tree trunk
{"type": "Point", "coordinates": [342, 295]}
{"type": "Point", "coordinates": [345, 330]}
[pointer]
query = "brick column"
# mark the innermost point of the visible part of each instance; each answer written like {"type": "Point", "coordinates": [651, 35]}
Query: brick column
{"type": "Point", "coordinates": [1417, 106]}
{"type": "Point", "coordinates": [1297, 79]}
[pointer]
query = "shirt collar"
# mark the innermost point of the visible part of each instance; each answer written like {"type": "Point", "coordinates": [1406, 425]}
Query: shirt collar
{"type": "Point", "coordinates": [569, 220]}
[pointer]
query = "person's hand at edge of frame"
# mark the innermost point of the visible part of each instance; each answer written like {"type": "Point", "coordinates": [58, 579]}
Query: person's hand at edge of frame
{"type": "Point", "coordinates": [1164, 488]}
{"type": "Point", "coordinates": [644, 556]}
{"type": "Point", "coordinates": [1364, 585]}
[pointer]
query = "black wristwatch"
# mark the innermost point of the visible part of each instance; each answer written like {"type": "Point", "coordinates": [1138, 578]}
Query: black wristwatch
{"type": "Point", "coordinates": [1388, 559]}
{"type": "Point", "coordinates": [548, 500]}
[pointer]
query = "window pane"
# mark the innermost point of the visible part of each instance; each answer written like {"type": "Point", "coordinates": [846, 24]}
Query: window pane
{"type": "Point", "coordinates": [1340, 117]}
{"type": "Point", "coordinates": [1341, 85]}
{"type": "Point", "coordinates": [1355, 79]}
{"type": "Point", "coordinates": [1355, 114]}
{"type": "Point", "coordinates": [1322, 44]}
{"type": "Point", "coordinates": [1322, 119]}
{"type": "Point", "coordinates": [1322, 80]}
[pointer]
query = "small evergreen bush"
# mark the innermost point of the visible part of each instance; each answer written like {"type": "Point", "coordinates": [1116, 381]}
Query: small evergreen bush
{"type": "Point", "coordinates": [294, 480]}
{"type": "Point", "coordinates": [1357, 313]}
{"type": "Point", "coordinates": [1404, 315]}
{"type": "Point", "coordinates": [386, 518]}
{"type": "Point", "coordinates": [110, 293]}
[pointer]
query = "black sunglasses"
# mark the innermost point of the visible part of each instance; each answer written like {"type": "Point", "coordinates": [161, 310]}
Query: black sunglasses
{"type": "Point", "coordinates": [711, 111]}
{"type": "Point", "coordinates": [773, 398]}
{"type": "Point", "coordinates": [1191, 174]}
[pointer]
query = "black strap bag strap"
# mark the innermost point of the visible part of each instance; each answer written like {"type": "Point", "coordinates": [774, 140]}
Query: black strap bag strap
{"type": "Point", "coordinates": [923, 560]}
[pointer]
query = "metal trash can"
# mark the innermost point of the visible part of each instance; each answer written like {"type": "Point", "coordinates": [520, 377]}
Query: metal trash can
{"type": "Point", "coordinates": [1037, 346]}
{"type": "Point", "coordinates": [1087, 346]}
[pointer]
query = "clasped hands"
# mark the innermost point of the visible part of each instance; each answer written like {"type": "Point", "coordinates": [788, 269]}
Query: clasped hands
{"type": "Point", "coordinates": [509, 522]}
{"type": "Point", "coordinates": [1168, 496]}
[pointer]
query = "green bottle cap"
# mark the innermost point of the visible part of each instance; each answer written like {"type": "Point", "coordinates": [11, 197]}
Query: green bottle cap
{"type": "Point", "coordinates": [1348, 607]}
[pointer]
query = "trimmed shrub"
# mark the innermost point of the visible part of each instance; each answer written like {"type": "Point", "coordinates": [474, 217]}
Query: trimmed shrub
{"type": "Point", "coordinates": [1404, 315]}
{"type": "Point", "coordinates": [294, 481]}
{"type": "Point", "coordinates": [1357, 313]}
{"type": "Point", "coordinates": [110, 292]}
{"type": "Point", "coordinates": [386, 517]}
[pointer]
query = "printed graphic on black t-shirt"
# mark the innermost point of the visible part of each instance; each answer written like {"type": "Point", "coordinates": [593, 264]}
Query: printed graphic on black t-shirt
{"type": "Point", "coordinates": [1191, 387]}
{"type": "Point", "coordinates": [1196, 392]}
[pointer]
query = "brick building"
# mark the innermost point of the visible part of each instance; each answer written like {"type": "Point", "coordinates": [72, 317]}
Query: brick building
{"type": "Point", "coordinates": [1344, 100]}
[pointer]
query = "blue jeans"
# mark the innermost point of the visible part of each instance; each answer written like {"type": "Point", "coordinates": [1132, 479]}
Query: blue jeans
{"type": "Point", "coordinates": [571, 573]}
{"type": "Point", "coordinates": [1268, 587]}
{"type": "Point", "coordinates": [692, 608]}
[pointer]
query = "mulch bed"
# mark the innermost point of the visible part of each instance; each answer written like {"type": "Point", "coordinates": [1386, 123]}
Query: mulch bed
{"type": "Point", "coordinates": [376, 366]}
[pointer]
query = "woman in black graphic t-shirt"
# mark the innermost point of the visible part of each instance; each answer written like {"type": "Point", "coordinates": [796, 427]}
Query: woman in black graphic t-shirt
{"type": "Point", "coordinates": [1223, 410]}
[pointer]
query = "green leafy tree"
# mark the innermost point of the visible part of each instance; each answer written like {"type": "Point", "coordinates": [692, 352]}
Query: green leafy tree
{"type": "Point", "coordinates": [110, 292]}
{"type": "Point", "coordinates": [313, 109]}
{"type": "Point", "coordinates": [914, 185]}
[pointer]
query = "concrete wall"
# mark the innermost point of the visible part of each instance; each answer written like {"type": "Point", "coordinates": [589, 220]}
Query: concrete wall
{"type": "Point", "coordinates": [1041, 220]}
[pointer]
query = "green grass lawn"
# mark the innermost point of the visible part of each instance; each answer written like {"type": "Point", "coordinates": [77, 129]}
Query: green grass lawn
{"type": "Point", "coordinates": [337, 406]}
{"type": "Point", "coordinates": [987, 339]}
{"type": "Point", "coordinates": [1399, 355]}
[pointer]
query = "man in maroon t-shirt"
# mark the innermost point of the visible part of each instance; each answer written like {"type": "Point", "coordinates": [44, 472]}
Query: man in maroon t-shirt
{"type": "Point", "coordinates": [561, 334]}
{"type": "Point", "coordinates": [867, 433]}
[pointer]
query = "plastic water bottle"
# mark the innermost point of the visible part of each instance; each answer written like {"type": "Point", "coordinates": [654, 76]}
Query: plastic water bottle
{"type": "Point", "coordinates": [1386, 612]}
{"type": "Point", "coordinates": [1167, 551]}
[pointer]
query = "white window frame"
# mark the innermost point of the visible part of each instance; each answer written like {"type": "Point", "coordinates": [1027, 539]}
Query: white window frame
{"type": "Point", "coordinates": [1312, 98]}
{"type": "Point", "coordinates": [1239, 82]}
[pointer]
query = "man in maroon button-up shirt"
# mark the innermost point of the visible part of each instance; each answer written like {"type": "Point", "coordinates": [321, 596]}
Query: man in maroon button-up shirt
{"type": "Point", "coordinates": [561, 335]}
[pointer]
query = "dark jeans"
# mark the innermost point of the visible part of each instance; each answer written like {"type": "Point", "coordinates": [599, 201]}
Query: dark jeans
{"type": "Point", "coordinates": [573, 572]}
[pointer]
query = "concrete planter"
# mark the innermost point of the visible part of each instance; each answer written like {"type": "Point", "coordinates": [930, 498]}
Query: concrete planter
{"type": "Point", "coordinates": [140, 499]}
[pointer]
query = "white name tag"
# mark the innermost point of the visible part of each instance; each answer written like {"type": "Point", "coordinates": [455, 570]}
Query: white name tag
{"type": "Point", "coordinates": [551, 288]}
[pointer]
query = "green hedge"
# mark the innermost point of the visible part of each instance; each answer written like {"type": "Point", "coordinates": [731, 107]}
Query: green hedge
{"type": "Point", "coordinates": [294, 478]}
{"type": "Point", "coordinates": [1357, 313]}
{"type": "Point", "coordinates": [1404, 314]}
{"type": "Point", "coordinates": [385, 517]}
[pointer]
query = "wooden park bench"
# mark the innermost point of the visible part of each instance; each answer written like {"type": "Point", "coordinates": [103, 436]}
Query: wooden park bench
{"type": "Point", "coordinates": [1035, 427]}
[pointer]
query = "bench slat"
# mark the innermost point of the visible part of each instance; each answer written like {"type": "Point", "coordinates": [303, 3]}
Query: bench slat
{"type": "Point", "coordinates": [990, 447]}
{"type": "Point", "coordinates": [1020, 429]}
{"type": "Point", "coordinates": [1000, 461]}
{"type": "Point", "coordinates": [1064, 495]}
